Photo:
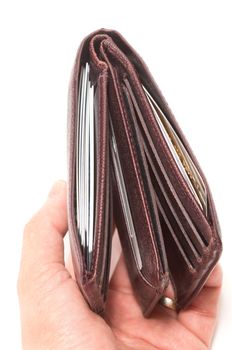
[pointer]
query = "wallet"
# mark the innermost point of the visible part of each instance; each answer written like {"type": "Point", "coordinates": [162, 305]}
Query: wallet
{"type": "Point", "coordinates": [130, 166]}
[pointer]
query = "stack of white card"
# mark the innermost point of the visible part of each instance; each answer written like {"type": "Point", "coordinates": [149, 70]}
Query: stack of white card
{"type": "Point", "coordinates": [85, 164]}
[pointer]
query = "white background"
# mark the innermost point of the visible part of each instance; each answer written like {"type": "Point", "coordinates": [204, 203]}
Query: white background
{"type": "Point", "coordinates": [187, 46]}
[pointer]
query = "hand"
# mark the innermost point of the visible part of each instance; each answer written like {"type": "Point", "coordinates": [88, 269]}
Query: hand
{"type": "Point", "coordinates": [54, 314]}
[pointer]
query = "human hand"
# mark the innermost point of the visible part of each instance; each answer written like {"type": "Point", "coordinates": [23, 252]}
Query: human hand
{"type": "Point", "coordinates": [54, 314]}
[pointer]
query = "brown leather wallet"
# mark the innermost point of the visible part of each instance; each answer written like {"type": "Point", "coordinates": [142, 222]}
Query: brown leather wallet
{"type": "Point", "coordinates": [130, 163]}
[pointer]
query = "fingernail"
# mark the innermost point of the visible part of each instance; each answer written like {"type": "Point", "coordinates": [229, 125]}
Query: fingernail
{"type": "Point", "coordinates": [56, 188]}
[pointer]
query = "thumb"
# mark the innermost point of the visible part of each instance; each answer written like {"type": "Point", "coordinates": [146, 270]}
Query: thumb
{"type": "Point", "coordinates": [44, 233]}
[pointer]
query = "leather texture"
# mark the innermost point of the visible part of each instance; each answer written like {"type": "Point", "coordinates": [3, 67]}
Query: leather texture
{"type": "Point", "coordinates": [184, 253]}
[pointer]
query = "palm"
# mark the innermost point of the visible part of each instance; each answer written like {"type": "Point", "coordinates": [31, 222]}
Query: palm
{"type": "Point", "coordinates": [125, 327]}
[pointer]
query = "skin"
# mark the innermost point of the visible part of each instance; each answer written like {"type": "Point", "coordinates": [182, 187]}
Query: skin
{"type": "Point", "coordinates": [54, 314]}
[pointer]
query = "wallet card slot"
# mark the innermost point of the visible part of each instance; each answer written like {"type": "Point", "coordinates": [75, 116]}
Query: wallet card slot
{"type": "Point", "coordinates": [172, 232]}
{"type": "Point", "coordinates": [183, 219]}
{"type": "Point", "coordinates": [124, 198]}
{"type": "Point", "coordinates": [203, 240]}
{"type": "Point", "coordinates": [85, 165]}
{"type": "Point", "coordinates": [138, 144]}
{"type": "Point", "coordinates": [180, 155]}
{"type": "Point", "coordinates": [138, 191]}
{"type": "Point", "coordinates": [173, 222]}
{"type": "Point", "coordinates": [92, 179]}
{"type": "Point", "coordinates": [187, 244]}
{"type": "Point", "coordinates": [156, 139]}
{"type": "Point", "coordinates": [109, 229]}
